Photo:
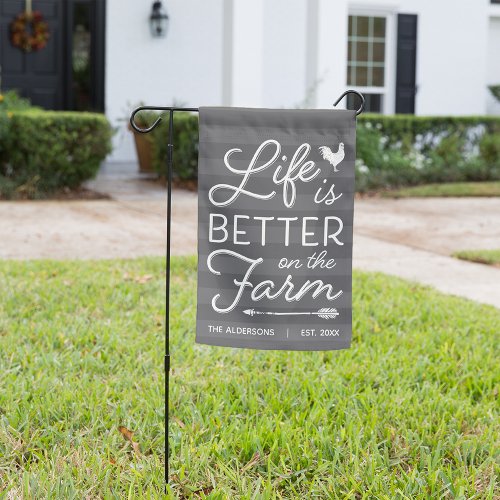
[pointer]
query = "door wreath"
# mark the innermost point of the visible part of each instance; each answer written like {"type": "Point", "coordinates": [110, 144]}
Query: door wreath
{"type": "Point", "coordinates": [29, 31]}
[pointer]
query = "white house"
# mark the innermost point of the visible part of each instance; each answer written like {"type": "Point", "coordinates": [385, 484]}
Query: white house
{"type": "Point", "coordinates": [429, 57]}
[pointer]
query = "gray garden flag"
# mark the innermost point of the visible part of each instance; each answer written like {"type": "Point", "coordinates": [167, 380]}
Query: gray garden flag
{"type": "Point", "coordinates": [276, 195]}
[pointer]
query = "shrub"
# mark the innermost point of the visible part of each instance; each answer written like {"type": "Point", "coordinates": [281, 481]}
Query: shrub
{"type": "Point", "coordinates": [489, 148]}
{"type": "Point", "coordinates": [418, 150]}
{"type": "Point", "coordinates": [185, 146]}
{"type": "Point", "coordinates": [9, 102]}
{"type": "Point", "coordinates": [44, 151]}
{"type": "Point", "coordinates": [392, 151]}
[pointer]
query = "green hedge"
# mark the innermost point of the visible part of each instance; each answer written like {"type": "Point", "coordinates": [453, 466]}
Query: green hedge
{"type": "Point", "coordinates": [406, 150]}
{"type": "Point", "coordinates": [185, 145]}
{"type": "Point", "coordinates": [44, 151]}
{"type": "Point", "coordinates": [10, 101]}
{"type": "Point", "coordinates": [392, 151]}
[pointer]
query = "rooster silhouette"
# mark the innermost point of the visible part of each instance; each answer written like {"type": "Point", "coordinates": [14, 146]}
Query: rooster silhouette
{"type": "Point", "coordinates": [331, 157]}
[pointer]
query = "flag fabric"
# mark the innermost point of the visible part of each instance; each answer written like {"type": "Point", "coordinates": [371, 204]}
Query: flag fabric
{"type": "Point", "coordinates": [275, 219]}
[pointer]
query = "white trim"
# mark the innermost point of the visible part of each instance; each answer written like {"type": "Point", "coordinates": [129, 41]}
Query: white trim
{"type": "Point", "coordinates": [359, 9]}
{"type": "Point", "coordinates": [391, 48]}
{"type": "Point", "coordinates": [312, 40]}
{"type": "Point", "coordinates": [227, 52]}
{"type": "Point", "coordinates": [332, 52]}
{"type": "Point", "coordinates": [248, 65]}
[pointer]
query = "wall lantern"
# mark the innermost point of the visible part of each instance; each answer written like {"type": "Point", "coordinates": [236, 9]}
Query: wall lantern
{"type": "Point", "coordinates": [158, 20]}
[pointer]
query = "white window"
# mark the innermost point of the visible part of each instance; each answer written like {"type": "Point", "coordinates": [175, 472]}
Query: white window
{"type": "Point", "coordinates": [367, 62]}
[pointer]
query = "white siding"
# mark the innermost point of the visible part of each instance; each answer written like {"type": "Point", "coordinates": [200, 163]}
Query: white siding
{"type": "Point", "coordinates": [183, 68]}
{"type": "Point", "coordinates": [248, 49]}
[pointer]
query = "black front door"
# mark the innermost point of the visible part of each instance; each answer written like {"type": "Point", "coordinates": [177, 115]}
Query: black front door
{"type": "Point", "coordinates": [38, 75]}
{"type": "Point", "coordinates": [69, 72]}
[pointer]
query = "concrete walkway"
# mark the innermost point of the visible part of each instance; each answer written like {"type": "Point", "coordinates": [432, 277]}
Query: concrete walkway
{"type": "Point", "coordinates": [410, 238]}
{"type": "Point", "coordinates": [414, 238]}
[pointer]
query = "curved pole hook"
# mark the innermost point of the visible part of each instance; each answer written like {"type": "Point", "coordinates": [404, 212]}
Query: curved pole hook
{"type": "Point", "coordinates": [361, 98]}
{"type": "Point", "coordinates": [136, 127]}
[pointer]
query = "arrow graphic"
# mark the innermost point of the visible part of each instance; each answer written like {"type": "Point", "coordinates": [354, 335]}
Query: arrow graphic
{"type": "Point", "coordinates": [325, 313]}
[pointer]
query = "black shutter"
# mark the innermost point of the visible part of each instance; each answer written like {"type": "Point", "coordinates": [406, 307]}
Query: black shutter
{"type": "Point", "coordinates": [406, 63]}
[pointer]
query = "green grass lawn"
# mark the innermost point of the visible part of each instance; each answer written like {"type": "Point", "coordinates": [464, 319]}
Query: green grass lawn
{"type": "Point", "coordinates": [410, 411]}
{"type": "Point", "coordinates": [448, 189]}
{"type": "Point", "coordinates": [490, 257]}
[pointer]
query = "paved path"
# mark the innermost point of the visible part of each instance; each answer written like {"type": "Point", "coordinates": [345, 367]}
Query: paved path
{"type": "Point", "coordinates": [411, 238]}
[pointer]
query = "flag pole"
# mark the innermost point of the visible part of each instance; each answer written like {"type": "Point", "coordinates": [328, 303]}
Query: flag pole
{"type": "Point", "coordinates": [170, 154]}
{"type": "Point", "coordinates": [170, 163]}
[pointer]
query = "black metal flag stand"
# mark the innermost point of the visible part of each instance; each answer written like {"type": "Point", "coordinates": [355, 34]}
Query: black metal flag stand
{"type": "Point", "coordinates": [170, 151]}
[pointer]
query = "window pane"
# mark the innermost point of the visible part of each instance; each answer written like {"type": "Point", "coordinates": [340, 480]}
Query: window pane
{"type": "Point", "coordinates": [350, 23]}
{"type": "Point", "coordinates": [349, 51]}
{"type": "Point", "coordinates": [362, 26]}
{"type": "Point", "coordinates": [379, 27]}
{"type": "Point", "coordinates": [378, 51]}
{"type": "Point", "coordinates": [361, 76]}
{"type": "Point", "coordinates": [81, 57]}
{"type": "Point", "coordinates": [373, 102]}
{"type": "Point", "coordinates": [362, 51]}
{"type": "Point", "coordinates": [378, 77]}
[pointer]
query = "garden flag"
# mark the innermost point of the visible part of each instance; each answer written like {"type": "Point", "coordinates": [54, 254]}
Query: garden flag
{"type": "Point", "coordinates": [276, 196]}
